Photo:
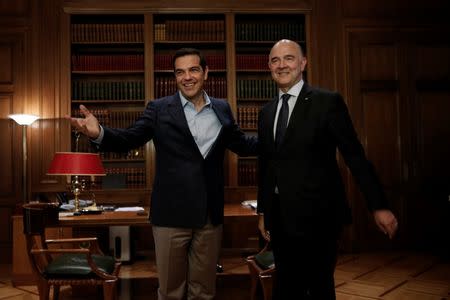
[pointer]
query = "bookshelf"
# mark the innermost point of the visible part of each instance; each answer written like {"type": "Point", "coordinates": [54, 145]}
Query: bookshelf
{"type": "Point", "coordinates": [107, 76]}
{"type": "Point", "coordinates": [205, 32]}
{"type": "Point", "coordinates": [121, 61]}
{"type": "Point", "coordinates": [254, 86]}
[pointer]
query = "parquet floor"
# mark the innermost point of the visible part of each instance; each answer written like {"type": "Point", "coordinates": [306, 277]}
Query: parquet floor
{"type": "Point", "coordinates": [367, 276]}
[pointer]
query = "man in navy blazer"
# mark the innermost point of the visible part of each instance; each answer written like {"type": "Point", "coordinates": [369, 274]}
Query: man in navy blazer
{"type": "Point", "coordinates": [301, 196]}
{"type": "Point", "coordinates": [190, 132]}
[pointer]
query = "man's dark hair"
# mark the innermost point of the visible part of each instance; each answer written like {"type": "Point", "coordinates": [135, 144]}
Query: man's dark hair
{"type": "Point", "coordinates": [189, 51]}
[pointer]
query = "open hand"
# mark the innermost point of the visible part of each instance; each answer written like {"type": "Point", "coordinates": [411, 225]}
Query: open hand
{"type": "Point", "coordinates": [88, 125]}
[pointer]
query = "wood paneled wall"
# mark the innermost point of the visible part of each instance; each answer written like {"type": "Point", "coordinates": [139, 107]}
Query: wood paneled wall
{"type": "Point", "coordinates": [13, 40]}
{"type": "Point", "coordinates": [389, 59]}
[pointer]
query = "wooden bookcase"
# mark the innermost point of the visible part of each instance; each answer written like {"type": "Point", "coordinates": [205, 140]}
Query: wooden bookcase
{"type": "Point", "coordinates": [119, 62]}
{"type": "Point", "coordinates": [254, 37]}
{"type": "Point", "coordinates": [107, 76]}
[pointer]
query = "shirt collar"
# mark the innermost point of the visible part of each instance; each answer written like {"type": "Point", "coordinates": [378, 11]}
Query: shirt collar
{"type": "Point", "coordinates": [185, 101]}
{"type": "Point", "coordinates": [293, 91]}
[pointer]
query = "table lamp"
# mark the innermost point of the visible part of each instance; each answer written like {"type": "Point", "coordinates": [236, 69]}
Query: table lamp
{"type": "Point", "coordinates": [73, 165]}
{"type": "Point", "coordinates": [24, 120]}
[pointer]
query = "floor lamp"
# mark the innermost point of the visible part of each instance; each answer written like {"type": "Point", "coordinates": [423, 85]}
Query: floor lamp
{"type": "Point", "coordinates": [24, 120]}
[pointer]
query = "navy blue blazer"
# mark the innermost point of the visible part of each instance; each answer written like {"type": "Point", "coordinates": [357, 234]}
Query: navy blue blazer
{"type": "Point", "coordinates": [186, 187]}
{"type": "Point", "coordinates": [305, 169]}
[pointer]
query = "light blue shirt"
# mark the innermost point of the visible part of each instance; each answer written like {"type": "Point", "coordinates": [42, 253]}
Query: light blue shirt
{"type": "Point", "coordinates": [204, 124]}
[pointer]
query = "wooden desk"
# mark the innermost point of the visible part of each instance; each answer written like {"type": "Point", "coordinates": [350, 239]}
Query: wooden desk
{"type": "Point", "coordinates": [106, 218]}
{"type": "Point", "coordinates": [131, 218]}
{"type": "Point", "coordinates": [21, 268]}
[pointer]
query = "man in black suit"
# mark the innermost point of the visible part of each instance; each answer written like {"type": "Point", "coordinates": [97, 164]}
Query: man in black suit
{"type": "Point", "coordinates": [190, 131]}
{"type": "Point", "coordinates": [301, 197]}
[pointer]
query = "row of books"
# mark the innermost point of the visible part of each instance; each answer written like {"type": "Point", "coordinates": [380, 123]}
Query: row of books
{"type": "Point", "coordinates": [130, 62]}
{"type": "Point", "coordinates": [108, 90]}
{"type": "Point", "coordinates": [264, 89]}
{"type": "Point", "coordinates": [135, 154]}
{"type": "Point", "coordinates": [134, 178]}
{"type": "Point", "coordinates": [214, 86]}
{"type": "Point", "coordinates": [247, 116]}
{"type": "Point", "coordinates": [107, 33]}
{"type": "Point", "coordinates": [85, 145]}
{"type": "Point", "coordinates": [102, 62]}
{"type": "Point", "coordinates": [247, 172]}
{"type": "Point", "coordinates": [214, 62]}
{"type": "Point", "coordinates": [184, 30]}
{"type": "Point", "coordinates": [190, 30]}
{"type": "Point", "coordinates": [116, 119]}
{"type": "Point", "coordinates": [269, 31]}
{"type": "Point", "coordinates": [249, 89]}
{"type": "Point", "coordinates": [252, 62]}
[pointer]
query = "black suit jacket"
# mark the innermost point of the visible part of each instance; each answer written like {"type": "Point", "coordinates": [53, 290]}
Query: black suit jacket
{"type": "Point", "coordinates": [305, 169]}
{"type": "Point", "coordinates": [186, 186]}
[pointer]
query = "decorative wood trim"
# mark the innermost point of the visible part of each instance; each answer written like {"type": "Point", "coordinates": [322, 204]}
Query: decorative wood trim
{"type": "Point", "coordinates": [177, 6]}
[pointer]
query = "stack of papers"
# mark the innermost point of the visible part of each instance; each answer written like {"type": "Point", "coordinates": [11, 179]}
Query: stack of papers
{"type": "Point", "coordinates": [130, 208]}
{"type": "Point", "coordinates": [250, 203]}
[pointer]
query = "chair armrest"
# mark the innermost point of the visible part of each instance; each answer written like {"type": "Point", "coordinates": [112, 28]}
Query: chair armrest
{"type": "Point", "coordinates": [60, 251]}
{"type": "Point", "coordinates": [267, 273]}
{"type": "Point", "coordinates": [92, 243]}
{"type": "Point", "coordinates": [71, 240]}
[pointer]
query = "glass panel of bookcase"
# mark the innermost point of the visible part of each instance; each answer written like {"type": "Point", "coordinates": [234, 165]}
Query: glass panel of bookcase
{"type": "Point", "coordinates": [255, 37]}
{"type": "Point", "coordinates": [205, 32]}
{"type": "Point", "coordinates": [108, 77]}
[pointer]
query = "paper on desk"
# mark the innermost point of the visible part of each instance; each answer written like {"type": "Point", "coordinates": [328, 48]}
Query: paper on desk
{"type": "Point", "coordinates": [130, 208]}
{"type": "Point", "coordinates": [250, 203]}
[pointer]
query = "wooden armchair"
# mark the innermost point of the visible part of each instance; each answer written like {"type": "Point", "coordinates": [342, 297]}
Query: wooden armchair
{"type": "Point", "coordinates": [76, 261]}
{"type": "Point", "coordinates": [262, 272]}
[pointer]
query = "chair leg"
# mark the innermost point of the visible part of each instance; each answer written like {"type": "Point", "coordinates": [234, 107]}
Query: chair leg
{"type": "Point", "coordinates": [267, 287]}
{"type": "Point", "coordinates": [56, 292]}
{"type": "Point", "coordinates": [109, 289]}
{"type": "Point", "coordinates": [253, 286]}
{"type": "Point", "coordinates": [44, 289]}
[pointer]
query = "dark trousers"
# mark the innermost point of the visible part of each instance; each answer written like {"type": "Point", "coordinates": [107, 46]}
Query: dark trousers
{"type": "Point", "coordinates": [304, 262]}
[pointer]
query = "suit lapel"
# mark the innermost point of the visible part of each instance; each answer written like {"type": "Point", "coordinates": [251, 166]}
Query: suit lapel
{"type": "Point", "coordinates": [176, 111]}
{"type": "Point", "coordinates": [223, 118]}
{"type": "Point", "coordinates": [270, 119]}
{"type": "Point", "coordinates": [299, 112]}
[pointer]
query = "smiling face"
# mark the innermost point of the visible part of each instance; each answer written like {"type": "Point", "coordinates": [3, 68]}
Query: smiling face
{"type": "Point", "coordinates": [190, 76]}
{"type": "Point", "coordinates": [286, 63]}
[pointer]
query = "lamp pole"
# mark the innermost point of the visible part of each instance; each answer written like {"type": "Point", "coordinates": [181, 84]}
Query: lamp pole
{"type": "Point", "coordinates": [24, 164]}
{"type": "Point", "coordinates": [24, 120]}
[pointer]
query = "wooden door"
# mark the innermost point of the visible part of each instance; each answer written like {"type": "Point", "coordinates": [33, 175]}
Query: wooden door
{"type": "Point", "coordinates": [380, 113]}
{"type": "Point", "coordinates": [399, 101]}
{"type": "Point", "coordinates": [428, 65]}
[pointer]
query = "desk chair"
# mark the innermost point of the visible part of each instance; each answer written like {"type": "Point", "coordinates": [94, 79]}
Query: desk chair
{"type": "Point", "coordinates": [262, 272]}
{"type": "Point", "coordinates": [55, 264]}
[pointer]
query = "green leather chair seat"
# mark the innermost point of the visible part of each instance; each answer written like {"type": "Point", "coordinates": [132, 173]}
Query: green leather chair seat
{"type": "Point", "coordinates": [77, 265]}
{"type": "Point", "coordinates": [265, 260]}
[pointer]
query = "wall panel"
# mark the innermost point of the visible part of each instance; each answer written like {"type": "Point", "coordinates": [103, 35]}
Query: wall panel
{"type": "Point", "coordinates": [16, 8]}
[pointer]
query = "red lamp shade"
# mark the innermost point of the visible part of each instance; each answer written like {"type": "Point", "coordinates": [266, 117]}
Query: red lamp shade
{"type": "Point", "coordinates": [76, 163]}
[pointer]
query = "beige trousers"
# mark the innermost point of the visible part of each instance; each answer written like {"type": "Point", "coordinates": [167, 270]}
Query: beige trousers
{"type": "Point", "coordinates": [186, 261]}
